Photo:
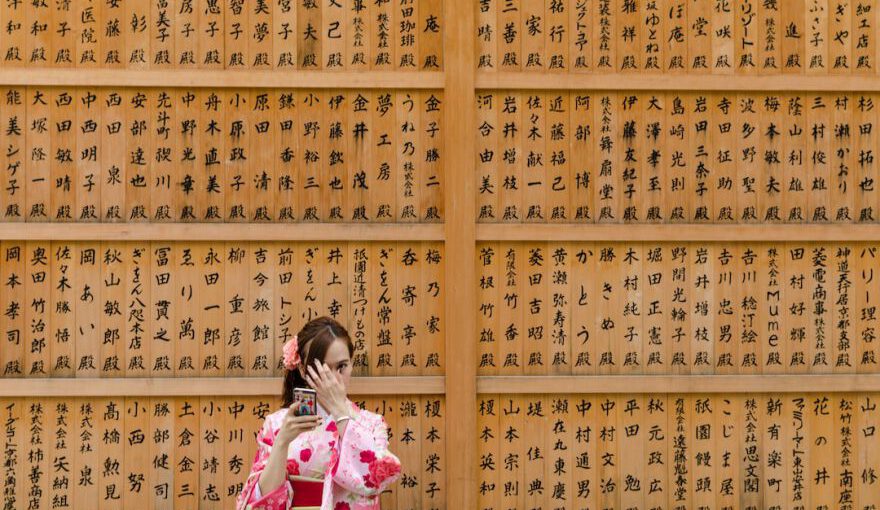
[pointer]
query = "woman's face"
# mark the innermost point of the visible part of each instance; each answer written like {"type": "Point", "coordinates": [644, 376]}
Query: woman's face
{"type": "Point", "coordinates": [339, 362]}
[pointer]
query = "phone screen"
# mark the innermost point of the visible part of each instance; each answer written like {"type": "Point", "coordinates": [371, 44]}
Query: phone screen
{"type": "Point", "coordinates": [304, 402]}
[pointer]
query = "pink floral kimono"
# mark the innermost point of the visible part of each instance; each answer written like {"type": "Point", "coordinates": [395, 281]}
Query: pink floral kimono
{"type": "Point", "coordinates": [354, 472]}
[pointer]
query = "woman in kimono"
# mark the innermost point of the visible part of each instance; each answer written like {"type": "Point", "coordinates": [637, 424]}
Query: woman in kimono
{"type": "Point", "coordinates": [335, 460]}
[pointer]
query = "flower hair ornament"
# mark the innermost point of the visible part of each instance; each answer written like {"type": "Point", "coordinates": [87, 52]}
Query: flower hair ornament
{"type": "Point", "coordinates": [291, 354]}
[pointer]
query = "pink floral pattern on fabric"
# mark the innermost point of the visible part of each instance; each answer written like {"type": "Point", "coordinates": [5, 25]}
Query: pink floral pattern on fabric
{"type": "Point", "coordinates": [366, 466]}
{"type": "Point", "coordinates": [367, 456]}
{"type": "Point", "coordinates": [334, 462]}
{"type": "Point", "coordinates": [383, 469]}
{"type": "Point", "coordinates": [275, 500]}
{"type": "Point", "coordinates": [356, 467]}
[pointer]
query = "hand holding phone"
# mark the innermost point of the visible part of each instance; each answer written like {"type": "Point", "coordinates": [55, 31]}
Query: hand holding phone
{"type": "Point", "coordinates": [301, 417]}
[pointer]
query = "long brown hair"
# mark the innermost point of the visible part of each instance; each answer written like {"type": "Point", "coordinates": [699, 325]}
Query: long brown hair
{"type": "Point", "coordinates": [314, 339]}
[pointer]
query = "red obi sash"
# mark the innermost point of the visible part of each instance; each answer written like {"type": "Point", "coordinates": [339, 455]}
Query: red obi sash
{"type": "Point", "coordinates": [307, 492]}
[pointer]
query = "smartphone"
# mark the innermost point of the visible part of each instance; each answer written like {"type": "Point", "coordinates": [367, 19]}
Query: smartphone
{"type": "Point", "coordinates": [304, 402]}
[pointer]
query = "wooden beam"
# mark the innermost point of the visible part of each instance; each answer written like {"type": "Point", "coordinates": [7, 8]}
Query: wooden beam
{"type": "Point", "coordinates": [432, 232]}
{"type": "Point", "coordinates": [676, 232]}
{"type": "Point", "coordinates": [221, 78]}
{"type": "Point", "coordinates": [221, 231]}
{"type": "Point", "coordinates": [203, 386]}
{"type": "Point", "coordinates": [459, 121]}
{"type": "Point", "coordinates": [660, 82]}
{"type": "Point", "coordinates": [434, 385]}
{"type": "Point", "coordinates": [678, 384]}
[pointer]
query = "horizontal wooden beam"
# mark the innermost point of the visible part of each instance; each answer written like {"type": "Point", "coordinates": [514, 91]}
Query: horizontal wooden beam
{"type": "Point", "coordinates": [632, 384]}
{"type": "Point", "coordinates": [221, 78]}
{"type": "Point", "coordinates": [434, 385]}
{"type": "Point", "coordinates": [676, 232]}
{"type": "Point", "coordinates": [432, 232]}
{"type": "Point", "coordinates": [660, 82]}
{"type": "Point", "coordinates": [203, 386]}
{"type": "Point", "coordinates": [221, 231]}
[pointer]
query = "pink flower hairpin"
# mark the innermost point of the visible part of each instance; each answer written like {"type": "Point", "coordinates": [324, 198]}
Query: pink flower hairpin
{"type": "Point", "coordinates": [291, 354]}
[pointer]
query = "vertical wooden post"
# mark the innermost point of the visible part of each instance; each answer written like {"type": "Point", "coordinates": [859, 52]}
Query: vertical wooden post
{"type": "Point", "coordinates": [460, 231]}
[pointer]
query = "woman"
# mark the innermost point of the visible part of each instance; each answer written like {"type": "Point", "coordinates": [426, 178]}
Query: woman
{"type": "Point", "coordinates": [335, 460]}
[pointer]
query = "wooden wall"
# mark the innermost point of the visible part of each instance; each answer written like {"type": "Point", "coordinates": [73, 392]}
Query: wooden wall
{"type": "Point", "coordinates": [613, 254]}
{"type": "Point", "coordinates": [675, 254]}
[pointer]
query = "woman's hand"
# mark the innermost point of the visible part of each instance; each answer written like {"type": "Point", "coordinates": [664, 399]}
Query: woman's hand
{"type": "Point", "coordinates": [294, 425]}
{"type": "Point", "coordinates": [331, 392]}
{"type": "Point", "coordinates": [275, 472]}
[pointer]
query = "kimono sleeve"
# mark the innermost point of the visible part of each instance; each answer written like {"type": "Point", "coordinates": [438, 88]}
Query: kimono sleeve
{"type": "Point", "coordinates": [250, 498]}
{"type": "Point", "coordinates": [366, 466]}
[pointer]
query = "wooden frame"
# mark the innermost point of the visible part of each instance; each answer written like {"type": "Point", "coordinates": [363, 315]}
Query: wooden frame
{"type": "Point", "coordinates": [677, 232]}
{"type": "Point", "coordinates": [460, 228]}
{"type": "Point", "coordinates": [460, 234]}
{"type": "Point", "coordinates": [221, 232]}
{"type": "Point", "coordinates": [635, 81]}
{"type": "Point", "coordinates": [223, 79]}
{"type": "Point", "coordinates": [658, 384]}
{"type": "Point", "coordinates": [203, 386]}
{"type": "Point", "coordinates": [436, 385]}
